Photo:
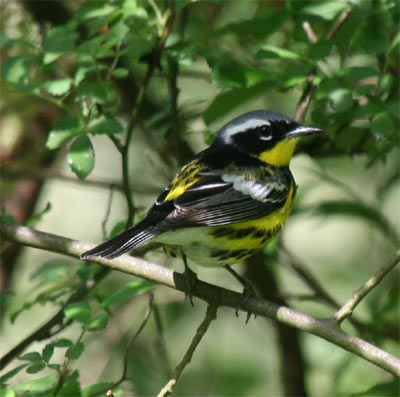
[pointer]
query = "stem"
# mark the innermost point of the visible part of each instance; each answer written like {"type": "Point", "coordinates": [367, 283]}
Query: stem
{"type": "Point", "coordinates": [347, 309]}
{"type": "Point", "coordinates": [327, 329]}
{"type": "Point", "coordinates": [211, 315]}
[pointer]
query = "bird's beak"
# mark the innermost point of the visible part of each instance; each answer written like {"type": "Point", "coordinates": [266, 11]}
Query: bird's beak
{"type": "Point", "coordinates": [303, 130]}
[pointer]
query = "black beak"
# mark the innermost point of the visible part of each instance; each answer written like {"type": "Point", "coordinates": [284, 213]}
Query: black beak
{"type": "Point", "coordinates": [303, 130]}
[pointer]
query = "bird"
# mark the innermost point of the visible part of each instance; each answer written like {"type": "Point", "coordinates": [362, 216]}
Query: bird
{"type": "Point", "coordinates": [229, 201]}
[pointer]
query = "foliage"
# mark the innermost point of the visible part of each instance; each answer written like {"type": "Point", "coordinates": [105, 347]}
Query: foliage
{"type": "Point", "coordinates": [249, 51]}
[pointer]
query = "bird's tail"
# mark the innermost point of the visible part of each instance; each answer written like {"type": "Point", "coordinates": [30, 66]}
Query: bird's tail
{"type": "Point", "coordinates": [131, 238]}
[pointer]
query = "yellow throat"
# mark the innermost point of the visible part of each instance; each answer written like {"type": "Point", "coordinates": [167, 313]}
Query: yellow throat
{"type": "Point", "coordinates": [280, 154]}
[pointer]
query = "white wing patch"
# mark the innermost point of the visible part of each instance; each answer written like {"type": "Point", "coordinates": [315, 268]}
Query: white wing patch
{"type": "Point", "coordinates": [247, 125]}
{"type": "Point", "coordinates": [255, 189]}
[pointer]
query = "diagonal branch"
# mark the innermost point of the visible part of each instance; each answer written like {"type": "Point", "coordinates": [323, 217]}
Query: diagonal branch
{"type": "Point", "coordinates": [347, 309]}
{"type": "Point", "coordinates": [327, 329]}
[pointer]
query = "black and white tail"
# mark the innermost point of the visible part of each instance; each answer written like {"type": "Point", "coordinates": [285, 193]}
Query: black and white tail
{"type": "Point", "coordinates": [131, 238]}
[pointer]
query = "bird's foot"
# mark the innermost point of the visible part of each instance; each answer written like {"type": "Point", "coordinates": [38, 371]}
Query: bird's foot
{"type": "Point", "coordinates": [248, 292]}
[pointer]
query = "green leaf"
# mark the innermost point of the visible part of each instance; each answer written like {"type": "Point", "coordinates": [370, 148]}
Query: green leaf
{"type": "Point", "coordinates": [81, 157]}
{"type": "Point", "coordinates": [62, 342]}
{"type": "Point", "coordinates": [388, 389]}
{"type": "Point", "coordinates": [8, 375]}
{"type": "Point", "coordinates": [386, 82]}
{"type": "Point", "coordinates": [326, 10]}
{"type": "Point", "coordinates": [96, 388]}
{"type": "Point", "coordinates": [120, 73]}
{"type": "Point", "coordinates": [99, 323]}
{"type": "Point", "coordinates": [16, 70]}
{"type": "Point", "coordinates": [51, 271]}
{"type": "Point", "coordinates": [382, 125]}
{"type": "Point", "coordinates": [37, 217]}
{"type": "Point", "coordinates": [79, 311]}
{"type": "Point", "coordinates": [7, 218]}
{"type": "Point", "coordinates": [59, 41]}
{"type": "Point", "coordinates": [272, 51]}
{"type": "Point", "coordinates": [67, 128]}
{"type": "Point", "coordinates": [321, 49]}
{"type": "Point", "coordinates": [40, 385]}
{"type": "Point", "coordinates": [32, 356]}
{"type": "Point", "coordinates": [105, 124]}
{"type": "Point", "coordinates": [35, 368]}
{"type": "Point", "coordinates": [96, 91]}
{"type": "Point", "coordinates": [7, 392]}
{"type": "Point", "coordinates": [47, 352]}
{"type": "Point", "coordinates": [58, 87]}
{"type": "Point", "coordinates": [226, 72]}
{"type": "Point", "coordinates": [9, 42]}
{"type": "Point", "coordinates": [94, 9]}
{"type": "Point", "coordinates": [341, 99]}
{"type": "Point", "coordinates": [357, 73]}
{"type": "Point", "coordinates": [75, 351]}
{"type": "Point", "coordinates": [229, 100]}
{"type": "Point", "coordinates": [128, 291]}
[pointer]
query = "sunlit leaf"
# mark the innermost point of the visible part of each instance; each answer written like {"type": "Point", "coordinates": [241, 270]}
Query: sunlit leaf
{"type": "Point", "coordinates": [67, 128]}
{"type": "Point", "coordinates": [15, 70]}
{"type": "Point", "coordinates": [105, 124]}
{"type": "Point", "coordinates": [39, 385]}
{"type": "Point", "coordinates": [81, 156]}
{"type": "Point", "coordinates": [341, 98]}
{"type": "Point", "coordinates": [272, 51]}
{"type": "Point", "coordinates": [99, 323]}
{"type": "Point", "coordinates": [58, 42]}
{"type": "Point", "coordinates": [79, 311]}
{"type": "Point", "coordinates": [326, 9]}
{"type": "Point", "coordinates": [58, 87]}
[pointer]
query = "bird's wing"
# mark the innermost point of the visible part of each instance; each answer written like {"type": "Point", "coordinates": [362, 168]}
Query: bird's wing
{"type": "Point", "coordinates": [220, 197]}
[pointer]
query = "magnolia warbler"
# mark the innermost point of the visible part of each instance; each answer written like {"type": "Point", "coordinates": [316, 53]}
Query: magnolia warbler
{"type": "Point", "coordinates": [228, 202]}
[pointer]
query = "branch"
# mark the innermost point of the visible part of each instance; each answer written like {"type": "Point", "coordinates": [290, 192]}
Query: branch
{"type": "Point", "coordinates": [347, 309]}
{"type": "Point", "coordinates": [211, 315]}
{"type": "Point", "coordinates": [327, 329]}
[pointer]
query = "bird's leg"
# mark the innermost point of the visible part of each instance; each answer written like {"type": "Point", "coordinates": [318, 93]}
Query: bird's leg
{"type": "Point", "coordinates": [248, 291]}
{"type": "Point", "coordinates": [191, 278]}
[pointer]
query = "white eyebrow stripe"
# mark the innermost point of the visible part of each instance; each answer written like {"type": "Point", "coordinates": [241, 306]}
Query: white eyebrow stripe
{"type": "Point", "coordinates": [247, 125]}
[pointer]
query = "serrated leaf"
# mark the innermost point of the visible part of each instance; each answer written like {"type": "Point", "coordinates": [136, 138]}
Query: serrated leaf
{"type": "Point", "coordinates": [81, 157]}
{"type": "Point", "coordinates": [32, 356]}
{"type": "Point", "coordinates": [66, 129]}
{"type": "Point", "coordinates": [341, 99]}
{"type": "Point", "coordinates": [40, 385]}
{"type": "Point", "coordinates": [382, 125]}
{"type": "Point", "coordinates": [58, 87]}
{"type": "Point", "coordinates": [58, 42]}
{"type": "Point", "coordinates": [99, 323]}
{"type": "Point", "coordinates": [35, 368]}
{"type": "Point", "coordinates": [105, 124]}
{"type": "Point", "coordinates": [62, 342]}
{"type": "Point", "coordinates": [326, 10]}
{"type": "Point", "coordinates": [8, 375]}
{"type": "Point", "coordinates": [128, 291]}
{"type": "Point", "coordinates": [79, 311]}
{"type": "Point", "coordinates": [272, 51]}
{"type": "Point", "coordinates": [75, 351]}
{"type": "Point", "coordinates": [47, 352]}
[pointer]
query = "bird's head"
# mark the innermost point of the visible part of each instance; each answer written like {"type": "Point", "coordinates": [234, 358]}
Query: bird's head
{"type": "Point", "coordinates": [266, 134]}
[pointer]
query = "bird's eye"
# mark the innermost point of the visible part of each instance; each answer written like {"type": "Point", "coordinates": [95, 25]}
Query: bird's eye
{"type": "Point", "coordinates": [265, 133]}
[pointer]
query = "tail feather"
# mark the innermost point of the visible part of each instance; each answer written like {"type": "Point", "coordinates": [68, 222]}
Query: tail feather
{"type": "Point", "coordinates": [123, 242]}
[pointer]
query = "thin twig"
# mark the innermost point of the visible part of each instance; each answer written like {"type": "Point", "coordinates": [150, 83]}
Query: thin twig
{"type": "Point", "coordinates": [309, 31]}
{"type": "Point", "coordinates": [108, 210]}
{"type": "Point", "coordinates": [339, 23]}
{"type": "Point", "coordinates": [347, 309]}
{"type": "Point", "coordinates": [128, 348]}
{"type": "Point", "coordinates": [327, 329]}
{"type": "Point", "coordinates": [211, 315]}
